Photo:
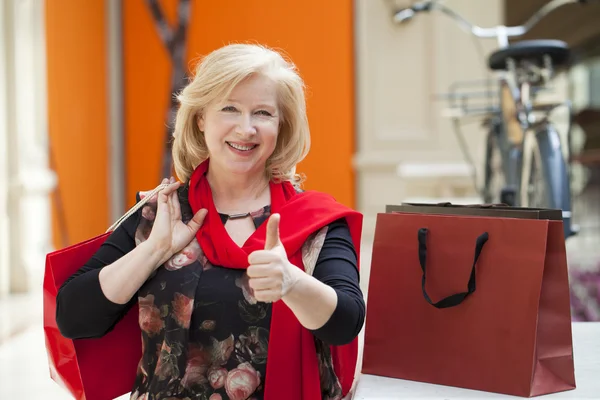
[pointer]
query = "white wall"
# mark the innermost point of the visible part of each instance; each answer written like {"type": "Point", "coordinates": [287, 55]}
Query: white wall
{"type": "Point", "coordinates": [399, 71]}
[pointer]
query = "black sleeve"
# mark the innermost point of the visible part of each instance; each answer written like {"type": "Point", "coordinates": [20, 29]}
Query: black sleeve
{"type": "Point", "coordinates": [82, 309]}
{"type": "Point", "coordinates": [337, 267]}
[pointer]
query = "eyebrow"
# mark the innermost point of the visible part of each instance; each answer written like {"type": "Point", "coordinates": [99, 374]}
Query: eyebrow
{"type": "Point", "coordinates": [259, 105]}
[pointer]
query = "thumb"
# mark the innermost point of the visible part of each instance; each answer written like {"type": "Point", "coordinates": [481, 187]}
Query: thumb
{"type": "Point", "coordinates": [196, 222]}
{"type": "Point", "coordinates": [272, 238]}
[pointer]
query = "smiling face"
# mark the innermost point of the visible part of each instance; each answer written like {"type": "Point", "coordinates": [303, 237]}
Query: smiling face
{"type": "Point", "coordinates": [241, 131]}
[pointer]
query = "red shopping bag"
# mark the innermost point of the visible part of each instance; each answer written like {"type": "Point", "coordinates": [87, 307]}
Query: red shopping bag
{"type": "Point", "coordinates": [477, 302]}
{"type": "Point", "coordinates": [90, 369]}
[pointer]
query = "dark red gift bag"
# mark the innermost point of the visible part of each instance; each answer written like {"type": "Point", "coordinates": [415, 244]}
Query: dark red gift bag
{"type": "Point", "coordinates": [90, 369]}
{"type": "Point", "coordinates": [478, 302]}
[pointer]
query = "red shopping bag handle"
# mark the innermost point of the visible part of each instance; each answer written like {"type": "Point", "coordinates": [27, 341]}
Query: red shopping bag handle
{"type": "Point", "coordinates": [457, 298]}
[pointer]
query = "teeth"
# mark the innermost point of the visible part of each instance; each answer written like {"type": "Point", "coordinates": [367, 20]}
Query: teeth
{"type": "Point", "coordinates": [240, 147]}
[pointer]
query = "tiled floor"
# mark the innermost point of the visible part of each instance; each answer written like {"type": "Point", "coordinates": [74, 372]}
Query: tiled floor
{"type": "Point", "coordinates": [24, 369]}
{"type": "Point", "coordinates": [23, 363]}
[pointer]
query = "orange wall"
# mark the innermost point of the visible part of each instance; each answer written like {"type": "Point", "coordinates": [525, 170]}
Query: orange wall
{"type": "Point", "coordinates": [77, 113]}
{"type": "Point", "coordinates": [316, 34]}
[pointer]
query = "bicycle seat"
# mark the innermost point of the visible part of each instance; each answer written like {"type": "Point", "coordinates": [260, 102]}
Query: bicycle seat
{"type": "Point", "coordinates": [532, 50]}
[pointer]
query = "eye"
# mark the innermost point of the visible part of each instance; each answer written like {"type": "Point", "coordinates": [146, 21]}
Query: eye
{"type": "Point", "coordinates": [265, 113]}
{"type": "Point", "coordinates": [229, 109]}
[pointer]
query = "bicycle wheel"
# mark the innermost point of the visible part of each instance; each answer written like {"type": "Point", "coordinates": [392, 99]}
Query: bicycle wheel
{"type": "Point", "coordinates": [544, 175]}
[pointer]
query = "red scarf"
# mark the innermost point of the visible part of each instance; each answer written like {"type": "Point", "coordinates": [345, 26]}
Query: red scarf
{"type": "Point", "coordinates": [292, 371]}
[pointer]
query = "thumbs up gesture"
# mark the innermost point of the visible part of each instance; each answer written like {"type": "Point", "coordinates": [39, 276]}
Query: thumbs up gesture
{"type": "Point", "coordinates": [271, 275]}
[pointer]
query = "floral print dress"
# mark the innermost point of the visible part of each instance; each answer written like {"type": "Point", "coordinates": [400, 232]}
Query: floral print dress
{"type": "Point", "coordinates": [204, 336]}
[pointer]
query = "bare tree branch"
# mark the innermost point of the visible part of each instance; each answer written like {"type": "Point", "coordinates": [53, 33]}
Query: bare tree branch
{"type": "Point", "coordinates": [160, 22]}
{"type": "Point", "coordinates": [176, 45]}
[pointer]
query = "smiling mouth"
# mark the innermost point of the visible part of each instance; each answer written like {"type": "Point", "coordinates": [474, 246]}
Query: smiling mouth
{"type": "Point", "coordinates": [241, 147]}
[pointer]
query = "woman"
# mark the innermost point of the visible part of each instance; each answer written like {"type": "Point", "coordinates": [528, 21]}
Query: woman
{"type": "Point", "coordinates": [248, 287]}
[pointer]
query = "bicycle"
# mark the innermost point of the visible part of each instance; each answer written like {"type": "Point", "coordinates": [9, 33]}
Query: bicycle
{"type": "Point", "coordinates": [532, 170]}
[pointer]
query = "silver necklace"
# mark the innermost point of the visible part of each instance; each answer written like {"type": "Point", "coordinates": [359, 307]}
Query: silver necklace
{"type": "Point", "coordinates": [240, 215]}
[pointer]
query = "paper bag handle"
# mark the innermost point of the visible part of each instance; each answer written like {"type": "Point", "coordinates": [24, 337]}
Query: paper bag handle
{"type": "Point", "coordinates": [457, 298]}
{"type": "Point", "coordinates": [137, 206]}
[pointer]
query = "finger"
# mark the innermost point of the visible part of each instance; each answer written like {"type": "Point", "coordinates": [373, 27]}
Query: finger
{"type": "Point", "coordinates": [263, 284]}
{"type": "Point", "coordinates": [170, 204]}
{"type": "Point", "coordinates": [167, 191]}
{"type": "Point", "coordinates": [172, 198]}
{"type": "Point", "coordinates": [197, 220]}
{"type": "Point", "coordinates": [175, 206]}
{"type": "Point", "coordinates": [259, 270]}
{"type": "Point", "coordinates": [164, 182]}
{"type": "Point", "coordinates": [172, 180]}
{"type": "Point", "coordinates": [262, 257]}
{"type": "Point", "coordinates": [171, 188]}
{"type": "Point", "coordinates": [162, 204]}
{"type": "Point", "coordinates": [272, 238]}
{"type": "Point", "coordinates": [267, 296]}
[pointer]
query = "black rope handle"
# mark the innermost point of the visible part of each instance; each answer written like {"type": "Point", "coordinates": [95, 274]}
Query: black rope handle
{"type": "Point", "coordinates": [457, 298]}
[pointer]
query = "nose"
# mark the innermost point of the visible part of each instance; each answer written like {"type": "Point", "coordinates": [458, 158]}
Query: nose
{"type": "Point", "coordinates": [246, 125]}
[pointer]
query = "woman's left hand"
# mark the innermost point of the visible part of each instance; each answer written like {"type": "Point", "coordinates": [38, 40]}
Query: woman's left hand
{"type": "Point", "coordinates": [271, 275]}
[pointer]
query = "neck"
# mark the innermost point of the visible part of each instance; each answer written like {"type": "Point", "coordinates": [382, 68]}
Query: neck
{"type": "Point", "coordinates": [234, 192]}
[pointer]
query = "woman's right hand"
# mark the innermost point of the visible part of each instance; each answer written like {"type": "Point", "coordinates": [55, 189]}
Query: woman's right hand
{"type": "Point", "coordinates": [169, 234]}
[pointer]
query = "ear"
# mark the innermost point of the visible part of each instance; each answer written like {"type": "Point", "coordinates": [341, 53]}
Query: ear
{"type": "Point", "coordinates": [200, 121]}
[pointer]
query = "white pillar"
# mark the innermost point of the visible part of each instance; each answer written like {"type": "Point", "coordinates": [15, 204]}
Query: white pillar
{"type": "Point", "coordinates": [5, 127]}
{"type": "Point", "coordinates": [32, 181]}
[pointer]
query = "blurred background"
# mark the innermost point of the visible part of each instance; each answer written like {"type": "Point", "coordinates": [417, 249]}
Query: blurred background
{"type": "Point", "coordinates": [86, 108]}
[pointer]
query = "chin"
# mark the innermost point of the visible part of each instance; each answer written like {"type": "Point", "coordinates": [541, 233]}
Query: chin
{"type": "Point", "coordinates": [244, 167]}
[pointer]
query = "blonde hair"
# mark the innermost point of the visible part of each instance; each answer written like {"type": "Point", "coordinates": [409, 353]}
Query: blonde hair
{"type": "Point", "coordinates": [215, 77]}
